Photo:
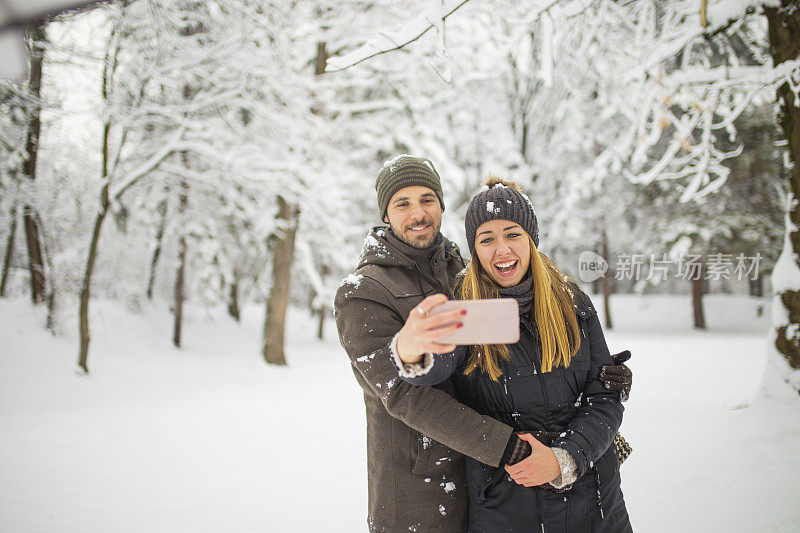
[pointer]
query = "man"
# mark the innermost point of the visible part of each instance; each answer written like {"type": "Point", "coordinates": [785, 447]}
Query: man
{"type": "Point", "coordinates": [415, 435]}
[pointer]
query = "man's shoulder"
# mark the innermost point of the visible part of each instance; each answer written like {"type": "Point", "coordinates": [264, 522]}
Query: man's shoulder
{"type": "Point", "coordinates": [376, 288]}
{"type": "Point", "coordinates": [377, 281]}
{"type": "Point", "coordinates": [355, 285]}
{"type": "Point", "coordinates": [453, 253]}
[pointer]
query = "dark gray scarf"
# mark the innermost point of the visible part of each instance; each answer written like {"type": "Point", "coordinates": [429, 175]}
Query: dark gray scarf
{"type": "Point", "coordinates": [523, 293]}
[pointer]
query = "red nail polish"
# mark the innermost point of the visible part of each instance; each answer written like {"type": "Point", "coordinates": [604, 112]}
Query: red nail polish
{"type": "Point", "coordinates": [460, 325]}
{"type": "Point", "coordinates": [463, 311]}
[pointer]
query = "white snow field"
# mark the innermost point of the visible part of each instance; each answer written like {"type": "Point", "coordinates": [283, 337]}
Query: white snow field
{"type": "Point", "coordinates": [208, 438]}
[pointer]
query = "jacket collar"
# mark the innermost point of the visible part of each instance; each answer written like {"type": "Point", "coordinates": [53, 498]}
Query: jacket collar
{"type": "Point", "coordinates": [381, 247]}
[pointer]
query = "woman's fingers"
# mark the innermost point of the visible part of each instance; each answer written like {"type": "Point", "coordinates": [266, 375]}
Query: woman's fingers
{"type": "Point", "coordinates": [421, 313]}
{"type": "Point", "coordinates": [436, 327]}
{"type": "Point", "coordinates": [521, 469]}
{"type": "Point", "coordinates": [530, 439]}
{"type": "Point", "coordinates": [424, 307]}
{"type": "Point", "coordinates": [528, 481]}
{"type": "Point", "coordinates": [429, 345]}
{"type": "Point", "coordinates": [441, 319]}
{"type": "Point", "coordinates": [433, 336]}
{"type": "Point", "coordinates": [422, 330]}
{"type": "Point", "coordinates": [517, 471]}
{"type": "Point", "coordinates": [442, 330]}
{"type": "Point", "coordinates": [616, 370]}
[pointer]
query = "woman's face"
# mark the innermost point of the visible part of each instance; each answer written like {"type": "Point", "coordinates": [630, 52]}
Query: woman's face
{"type": "Point", "coordinates": [504, 250]}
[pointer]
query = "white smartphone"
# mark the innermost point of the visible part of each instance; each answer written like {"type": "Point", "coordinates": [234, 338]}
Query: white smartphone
{"type": "Point", "coordinates": [489, 321]}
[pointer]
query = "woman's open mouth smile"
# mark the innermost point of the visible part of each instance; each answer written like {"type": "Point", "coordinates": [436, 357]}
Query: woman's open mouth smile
{"type": "Point", "coordinates": [506, 268]}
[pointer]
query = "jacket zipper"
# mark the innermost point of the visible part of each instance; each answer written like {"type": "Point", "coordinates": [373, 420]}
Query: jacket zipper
{"type": "Point", "coordinates": [599, 496]}
{"type": "Point", "coordinates": [516, 414]}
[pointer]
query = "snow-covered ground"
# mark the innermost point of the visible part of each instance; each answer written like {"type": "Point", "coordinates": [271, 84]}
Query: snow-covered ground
{"type": "Point", "coordinates": [208, 438]}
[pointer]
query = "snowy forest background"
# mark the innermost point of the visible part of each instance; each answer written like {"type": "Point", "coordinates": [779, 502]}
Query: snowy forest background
{"type": "Point", "coordinates": [177, 174]}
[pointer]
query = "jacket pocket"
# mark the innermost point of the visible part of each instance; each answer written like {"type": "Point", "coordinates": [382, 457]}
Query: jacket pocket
{"type": "Point", "coordinates": [480, 479]}
{"type": "Point", "coordinates": [428, 456]}
{"type": "Point", "coordinates": [419, 452]}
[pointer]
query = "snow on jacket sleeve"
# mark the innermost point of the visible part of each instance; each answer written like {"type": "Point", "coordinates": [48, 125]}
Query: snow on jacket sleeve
{"type": "Point", "coordinates": [433, 369]}
{"type": "Point", "coordinates": [366, 325]}
{"type": "Point", "coordinates": [599, 416]}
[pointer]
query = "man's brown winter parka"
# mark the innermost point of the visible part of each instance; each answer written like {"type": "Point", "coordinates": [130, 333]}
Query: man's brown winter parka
{"type": "Point", "coordinates": [415, 435]}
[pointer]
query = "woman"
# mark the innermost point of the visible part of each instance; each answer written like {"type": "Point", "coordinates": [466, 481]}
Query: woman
{"type": "Point", "coordinates": [547, 386]}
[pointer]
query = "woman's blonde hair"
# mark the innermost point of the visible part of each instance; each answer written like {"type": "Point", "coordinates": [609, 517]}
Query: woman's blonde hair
{"type": "Point", "coordinates": [553, 314]}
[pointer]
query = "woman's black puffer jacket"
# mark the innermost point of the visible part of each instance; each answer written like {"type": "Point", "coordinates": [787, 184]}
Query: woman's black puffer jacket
{"type": "Point", "coordinates": [571, 401]}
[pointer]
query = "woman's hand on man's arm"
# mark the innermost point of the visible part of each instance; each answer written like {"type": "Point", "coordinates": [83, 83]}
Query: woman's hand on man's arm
{"type": "Point", "coordinates": [540, 467]}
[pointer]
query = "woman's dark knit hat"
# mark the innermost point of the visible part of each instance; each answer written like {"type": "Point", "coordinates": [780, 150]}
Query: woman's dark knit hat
{"type": "Point", "coordinates": [405, 171]}
{"type": "Point", "coordinates": [500, 200]}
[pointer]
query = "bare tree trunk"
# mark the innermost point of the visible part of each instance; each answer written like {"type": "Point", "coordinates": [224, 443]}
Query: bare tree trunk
{"type": "Point", "coordinates": [183, 201]}
{"type": "Point", "coordinates": [9, 252]}
{"type": "Point", "coordinates": [321, 313]}
{"type": "Point", "coordinates": [32, 237]}
{"type": "Point", "coordinates": [698, 288]}
{"type": "Point", "coordinates": [282, 257]}
{"type": "Point", "coordinates": [50, 297]}
{"type": "Point", "coordinates": [319, 69]}
{"type": "Point", "coordinates": [85, 292]}
{"type": "Point", "coordinates": [83, 313]}
{"type": "Point", "coordinates": [162, 224]}
{"type": "Point", "coordinates": [322, 59]}
{"type": "Point", "coordinates": [233, 299]}
{"type": "Point", "coordinates": [524, 140]}
{"type": "Point", "coordinates": [51, 309]}
{"type": "Point", "coordinates": [605, 284]}
{"type": "Point", "coordinates": [757, 287]}
{"type": "Point", "coordinates": [180, 278]}
{"type": "Point", "coordinates": [35, 261]}
{"type": "Point", "coordinates": [784, 36]}
{"type": "Point", "coordinates": [278, 301]}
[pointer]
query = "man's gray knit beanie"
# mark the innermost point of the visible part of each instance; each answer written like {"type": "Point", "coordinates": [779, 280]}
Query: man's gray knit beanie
{"type": "Point", "coordinates": [500, 200]}
{"type": "Point", "coordinates": [405, 171]}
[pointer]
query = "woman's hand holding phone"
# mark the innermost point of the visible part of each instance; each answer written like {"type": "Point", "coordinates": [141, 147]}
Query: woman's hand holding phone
{"type": "Point", "coordinates": [421, 330]}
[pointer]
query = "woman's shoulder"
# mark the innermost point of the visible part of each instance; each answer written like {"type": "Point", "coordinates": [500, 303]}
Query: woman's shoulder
{"type": "Point", "coordinates": [583, 304]}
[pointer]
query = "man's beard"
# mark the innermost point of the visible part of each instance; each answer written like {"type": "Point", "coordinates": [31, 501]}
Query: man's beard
{"type": "Point", "coordinates": [418, 241]}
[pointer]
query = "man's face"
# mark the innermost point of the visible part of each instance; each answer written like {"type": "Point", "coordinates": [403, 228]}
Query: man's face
{"type": "Point", "coordinates": [415, 215]}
